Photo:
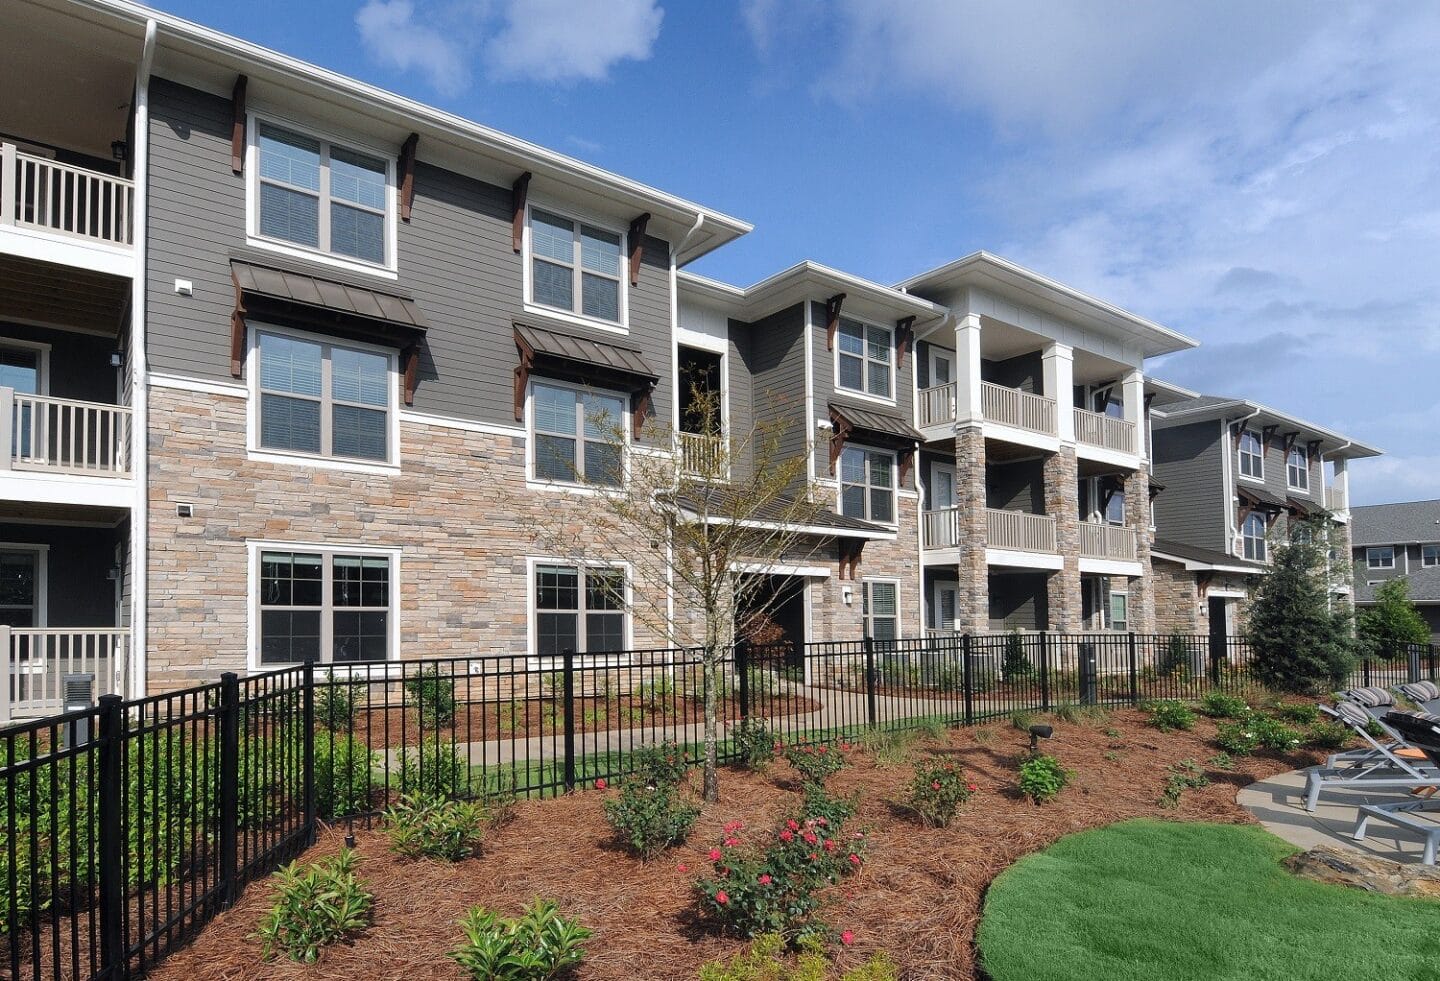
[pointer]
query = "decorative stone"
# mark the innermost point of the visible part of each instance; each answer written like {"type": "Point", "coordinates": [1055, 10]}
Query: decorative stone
{"type": "Point", "coordinates": [1359, 871]}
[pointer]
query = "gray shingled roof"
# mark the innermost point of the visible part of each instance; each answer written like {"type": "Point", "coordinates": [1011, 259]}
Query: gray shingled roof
{"type": "Point", "coordinates": [1209, 556]}
{"type": "Point", "coordinates": [1392, 524]}
{"type": "Point", "coordinates": [1424, 585]}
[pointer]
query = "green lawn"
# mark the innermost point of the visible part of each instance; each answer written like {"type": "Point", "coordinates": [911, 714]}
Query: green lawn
{"type": "Point", "coordinates": [1162, 900]}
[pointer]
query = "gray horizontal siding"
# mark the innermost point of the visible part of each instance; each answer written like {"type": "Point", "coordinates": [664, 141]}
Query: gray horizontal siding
{"type": "Point", "coordinates": [775, 358]}
{"type": "Point", "coordinates": [1025, 372]}
{"type": "Point", "coordinates": [79, 590]}
{"type": "Point", "coordinates": [1016, 486]}
{"type": "Point", "coordinates": [741, 398]}
{"type": "Point", "coordinates": [1019, 601]}
{"type": "Point", "coordinates": [1192, 507]}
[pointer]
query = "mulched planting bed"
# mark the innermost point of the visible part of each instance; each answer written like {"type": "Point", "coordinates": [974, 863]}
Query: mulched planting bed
{"type": "Point", "coordinates": [918, 896]}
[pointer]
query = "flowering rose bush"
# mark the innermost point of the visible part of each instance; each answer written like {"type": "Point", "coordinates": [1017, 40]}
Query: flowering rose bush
{"type": "Point", "coordinates": [661, 764]}
{"type": "Point", "coordinates": [815, 764]}
{"type": "Point", "coordinates": [649, 818]}
{"type": "Point", "coordinates": [938, 790]}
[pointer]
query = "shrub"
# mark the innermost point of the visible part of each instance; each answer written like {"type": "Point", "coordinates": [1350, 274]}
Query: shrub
{"type": "Point", "coordinates": [820, 803]}
{"type": "Point", "coordinates": [1176, 657]}
{"type": "Point", "coordinates": [1327, 735]}
{"type": "Point", "coordinates": [314, 907]}
{"type": "Point", "coordinates": [434, 694]}
{"type": "Point", "coordinates": [438, 771]}
{"type": "Point", "coordinates": [815, 764]}
{"type": "Point", "coordinates": [888, 747]}
{"type": "Point", "coordinates": [1299, 640]}
{"type": "Point", "coordinates": [1022, 720]}
{"type": "Point", "coordinates": [537, 945]}
{"type": "Point", "coordinates": [1238, 738]}
{"type": "Point", "coordinates": [343, 768]}
{"type": "Point", "coordinates": [1168, 714]}
{"type": "Point", "coordinates": [1015, 665]}
{"type": "Point", "coordinates": [1222, 761]}
{"type": "Point", "coordinates": [765, 961]}
{"type": "Point", "coordinates": [1183, 776]}
{"type": "Point", "coordinates": [1219, 705]}
{"type": "Point", "coordinates": [1042, 777]}
{"type": "Point", "coordinates": [1276, 735]}
{"type": "Point", "coordinates": [661, 764]}
{"type": "Point", "coordinates": [754, 744]}
{"type": "Point", "coordinates": [336, 702]}
{"type": "Point", "coordinates": [650, 817]}
{"type": "Point", "coordinates": [421, 826]}
{"type": "Point", "coordinates": [1081, 714]}
{"type": "Point", "coordinates": [1304, 713]}
{"type": "Point", "coordinates": [937, 791]}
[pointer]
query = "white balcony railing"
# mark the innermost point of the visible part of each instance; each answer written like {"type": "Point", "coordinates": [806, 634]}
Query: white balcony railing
{"type": "Point", "coordinates": [1337, 498]}
{"type": "Point", "coordinates": [940, 528]}
{"type": "Point", "coordinates": [39, 193]}
{"type": "Point", "coordinates": [937, 405]}
{"type": "Point", "coordinates": [1019, 531]}
{"type": "Point", "coordinates": [1106, 541]}
{"type": "Point", "coordinates": [1097, 429]}
{"type": "Point", "coordinates": [64, 435]}
{"type": "Point", "coordinates": [42, 658]}
{"type": "Point", "coordinates": [1012, 407]}
{"type": "Point", "coordinates": [704, 456]}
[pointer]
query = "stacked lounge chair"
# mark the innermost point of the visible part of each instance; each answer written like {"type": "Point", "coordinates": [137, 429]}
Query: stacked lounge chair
{"type": "Point", "coordinates": [1421, 730]}
{"type": "Point", "coordinates": [1382, 766]}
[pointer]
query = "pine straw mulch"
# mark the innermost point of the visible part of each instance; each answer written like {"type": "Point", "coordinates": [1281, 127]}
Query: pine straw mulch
{"type": "Point", "coordinates": [918, 896]}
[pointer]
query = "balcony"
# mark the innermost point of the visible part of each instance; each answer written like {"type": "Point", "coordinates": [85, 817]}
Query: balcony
{"type": "Point", "coordinates": [1106, 541]}
{"type": "Point", "coordinates": [42, 658]}
{"type": "Point", "coordinates": [1013, 407]}
{"type": "Point", "coordinates": [1018, 531]}
{"type": "Point", "coordinates": [41, 194]}
{"type": "Point", "coordinates": [1106, 432]}
{"type": "Point", "coordinates": [64, 436]}
{"type": "Point", "coordinates": [703, 456]}
{"type": "Point", "coordinates": [936, 405]}
{"type": "Point", "coordinates": [1337, 497]}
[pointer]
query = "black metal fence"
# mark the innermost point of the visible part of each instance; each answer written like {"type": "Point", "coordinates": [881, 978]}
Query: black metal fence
{"type": "Point", "coordinates": [127, 826]}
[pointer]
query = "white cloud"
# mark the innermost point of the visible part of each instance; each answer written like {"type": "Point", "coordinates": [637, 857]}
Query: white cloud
{"type": "Point", "coordinates": [510, 40]}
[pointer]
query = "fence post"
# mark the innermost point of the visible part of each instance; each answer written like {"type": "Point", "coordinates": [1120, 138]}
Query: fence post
{"type": "Point", "coordinates": [307, 755]}
{"type": "Point", "coordinates": [569, 676]}
{"type": "Point", "coordinates": [1089, 681]}
{"type": "Point", "coordinates": [1134, 671]}
{"type": "Point", "coordinates": [967, 673]}
{"type": "Point", "coordinates": [871, 712]}
{"type": "Point", "coordinates": [1044, 670]}
{"type": "Point", "coordinates": [1412, 663]}
{"type": "Point", "coordinates": [1431, 648]}
{"type": "Point", "coordinates": [229, 829]}
{"type": "Point", "coordinates": [1365, 672]}
{"type": "Point", "coordinates": [111, 832]}
{"type": "Point", "coordinates": [741, 649]}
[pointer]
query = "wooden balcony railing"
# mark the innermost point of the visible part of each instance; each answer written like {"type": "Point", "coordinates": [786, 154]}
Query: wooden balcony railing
{"type": "Point", "coordinates": [940, 528]}
{"type": "Point", "coordinates": [1019, 531]}
{"type": "Point", "coordinates": [1012, 407]}
{"type": "Point", "coordinates": [936, 406]}
{"type": "Point", "coordinates": [41, 658]}
{"type": "Point", "coordinates": [1097, 429]}
{"type": "Point", "coordinates": [704, 456]}
{"type": "Point", "coordinates": [1105, 541]}
{"type": "Point", "coordinates": [64, 435]}
{"type": "Point", "coordinates": [36, 192]}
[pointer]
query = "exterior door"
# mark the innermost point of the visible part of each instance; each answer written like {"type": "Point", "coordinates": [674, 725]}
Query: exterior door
{"type": "Point", "coordinates": [942, 366]}
{"type": "Point", "coordinates": [1219, 631]}
{"type": "Point", "coordinates": [946, 598]}
{"type": "Point", "coordinates": [942, 486]}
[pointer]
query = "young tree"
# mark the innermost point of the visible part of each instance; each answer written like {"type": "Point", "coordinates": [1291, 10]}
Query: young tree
{"type": "Point", "coordinates": [1393, 623]}
{"type": "Point", "coordinates": [1299, 636]}
{"type": "Point", "coordinates": [693, 523]}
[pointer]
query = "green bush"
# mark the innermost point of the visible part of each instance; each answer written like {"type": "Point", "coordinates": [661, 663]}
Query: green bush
{"type": "Point", "coordinates": [1167, 714]}
{"type": "Point", "coordinates": [1238, 738]}
{"type": "Point", "coordinates": [336, 703]}
{"type": "Point", "coordinates": [538, 945]}
{"type": "Point", "coordinates": [754, 744]}
{"type": "Point", "coordinates": [1219, 705]}
{"type": "Point", "coordinates": [937, 791]}
{"type": "Point", "coordinates": [1176, 658]}
{"type": "Point", "coordinates": [314, 907]}
{"type": "Point", "coordinates": [1303, 713]}
{"type": "Point", "coordinates": [1015, 665]}
{"type": "Point", "coordinates": [343, 775]}
{"type": "Point", "coordinates": [821, 804]}
{"type": "Point", "coordinates": [1276, 735]}
{"type": "Point", "coordinates": [434, 695]}
{"type": "Point", "coordinates": [1327, 735]}
{"type": "Point", "coordinates": [1042, 777]}
{"type": "Point", "coordinates": [1022, 720]}
{"type": "Point", "coordinates": [765, 961]}
{"type": "Point", "coordinates": [439, 771]}
{"type": "Point", "coordinates": [420, 826]}
{"type": "Point", "coordinates": [1183, 776]}
{"type": "Point", "coordinates": [649, 818]}
{"type": "Point", "coordinates": [817, 763]}
{"type": "Point", "coordinates": [661, 764]}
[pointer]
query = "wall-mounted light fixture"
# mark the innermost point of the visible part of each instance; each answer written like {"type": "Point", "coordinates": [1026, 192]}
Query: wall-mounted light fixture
{"type": "Point", "coordinates": [117, 359]}
{"type": "Point", "coordinates": [847, 594]}
{"type": "Point", "coordinates": [118, 150]}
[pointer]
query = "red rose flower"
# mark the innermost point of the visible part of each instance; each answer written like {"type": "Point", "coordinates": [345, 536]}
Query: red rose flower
{"type": "Point", "coordinates": [854, 859]}
{"type": "Point", "coordinates": [682, 867]}
{"type": "Point", "coordinates": [847, 938]}
{"type": "Point", "coordinates": [764, 879]}
{"type": "Point", "coordinates": [601, 784]}
{"type": "Point", "coordinates": [787, 835]}
{"type": "Point", "coordinates": [810, 837]}
{"type": "Point", "coordinates": [793, 824]}
{"type": "Point", "coordinates": [714, 854]}
{"type": "Point", "coordinates": [934, 784]}
{"type": "Point", "coordinates": [722, 897]}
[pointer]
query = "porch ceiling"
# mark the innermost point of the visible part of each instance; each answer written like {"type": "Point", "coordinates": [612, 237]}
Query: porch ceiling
{"type": "Point", "coordinates": [56, 296]}
{"type": "Point", "coordinates": [31, 512]}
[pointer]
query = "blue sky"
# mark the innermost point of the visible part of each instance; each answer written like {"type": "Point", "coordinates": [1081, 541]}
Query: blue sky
{"type": "Point", "coordinates": [1264, 177]}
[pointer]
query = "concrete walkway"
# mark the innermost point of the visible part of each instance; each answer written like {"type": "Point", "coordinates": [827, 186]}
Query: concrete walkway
{"type": "Point", "coordinates": [1279, 804]}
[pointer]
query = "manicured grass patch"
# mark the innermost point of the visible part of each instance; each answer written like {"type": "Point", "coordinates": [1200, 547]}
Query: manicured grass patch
{"type": "Point", "coordinates": [1150, 899]}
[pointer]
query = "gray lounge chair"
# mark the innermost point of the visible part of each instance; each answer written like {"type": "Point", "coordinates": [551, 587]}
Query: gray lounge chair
{"type": "Point", "coordinates": [1425, 694]}
{"type": "Point", "coordinates": [1422, 730]}
{"type": "Point", "coordinates": [1379, 768]}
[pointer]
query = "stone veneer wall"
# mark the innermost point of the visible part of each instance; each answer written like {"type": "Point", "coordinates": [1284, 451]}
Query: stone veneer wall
{"type": "Point", "coordinates": [1062, 492]}
{"type": "Point", "coordinates": [1141, 589]}
{"type": "Point", "coordinates": [1177, 605]}
{"type": "Point", "coordinates": [973, 597]}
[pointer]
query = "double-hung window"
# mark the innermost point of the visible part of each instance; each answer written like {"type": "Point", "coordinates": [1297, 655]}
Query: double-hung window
{"type": "Point", "coordinates": [321, 196]}
{"type": "Point", "coordinates": [1382, 557]}
{"type": "Point", "coordinates": [1253, 535]}
{"type": "Point", "coordinates": [578, 435]}
{"type": "Point", "coordinates": [881, 610]}
{"type": "Point", "coordinates": [580, 609]}
{"type": "Point", "coordinates": [862, 358]}
{"type": "Point", "coordinates": [1117, 617]}
{"type": "Point", "coordinates": [327, 607]}
{"type": "Point", "coordinates": [1252, 456]}
{"type": "Point", "coordinates": [1297, 470]}
{"type": "Point", "coordinates": [867, 484]}
{"type": "Point", "coordinates": [575, 267]}
{"type": "Point", "coordinates": [323, 398]}
{"type": "Point", "coordinates": [1429, 556]}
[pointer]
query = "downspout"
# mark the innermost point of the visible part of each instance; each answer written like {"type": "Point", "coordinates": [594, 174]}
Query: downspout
{"type": "Point", "coordinates": [139, 384]}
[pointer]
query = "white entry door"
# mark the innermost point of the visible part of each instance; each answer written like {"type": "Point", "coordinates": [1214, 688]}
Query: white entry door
{"type": "Point", "coordinates": [942, 366]}
{"type": "Point", "coordinates": [947, 602]}
{"type": "Point", "coordinates": [942, 486]}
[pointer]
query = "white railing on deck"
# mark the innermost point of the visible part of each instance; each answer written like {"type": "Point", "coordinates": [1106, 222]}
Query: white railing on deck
{"type": "Point", "coordinates": [937, 405]}
{"type": "Point", "coordinates": [1097, 429]}
{"type": "Point", "coordinates": [702, 455]}
{"type": "Point", "coordinates": [41, 658]}
{"type": "Point", "coordinates": [1013, 407]}
{"type": "Point", "coordinates": [1336, 498]}
{"type": "Point", "coordinates": [36, 192]}
{"type": "Point", "coordinates": [1019, 531]}
{"type": "Point", "coordinates": [1106, 541]}
{"type": "Point", "coordinates": [64, 435]}
{"type": "Point", "coordinates": [940, 528]}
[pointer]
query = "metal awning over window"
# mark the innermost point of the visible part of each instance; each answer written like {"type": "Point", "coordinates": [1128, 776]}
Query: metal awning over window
{"type": "Point", "coordinates": [1258, 499]}
{"type": "Point", "coordinates": [582, 360]}
{"type": "Point", "coordinates": [880, 428]}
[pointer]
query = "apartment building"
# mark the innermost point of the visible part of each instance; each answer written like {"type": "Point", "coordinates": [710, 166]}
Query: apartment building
{"type": "Point", "coordinates": [292, 367]}
{"type": "Point", "coordinates": [1393, 541]}
{"type": "Point", "coordinates": [1236, 476]}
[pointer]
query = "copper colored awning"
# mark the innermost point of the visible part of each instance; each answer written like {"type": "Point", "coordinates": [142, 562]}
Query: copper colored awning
{"type": "Point", "coordinates": [583, 360]}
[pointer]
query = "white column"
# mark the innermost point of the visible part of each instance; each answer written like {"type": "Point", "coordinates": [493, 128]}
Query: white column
{"type": "Point", "coordinates": [1132, 390]}
{"type": "Point", "coordinates": [1340, 489]}
{"type": "Point", "coordinates": [1059, 370]}
{"type": "Point", "coordinates": [967, 371]}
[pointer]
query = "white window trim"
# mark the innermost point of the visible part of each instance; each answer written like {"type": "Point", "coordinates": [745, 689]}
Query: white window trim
{"type": "Point", "coordinates": [1303, 488]}
{"type": "Point", "coordinates": [865, 582]}
{"type": "Point", "coordinates": [255, 451]}
{"type": "Point", "coordinates": [894, 484]}
{"type": "Point", "coordinates": [938, 587]}
{"type": "Point", "coordinates": [42, 361]}
{"type": "Point", "coordinates": [1109, 612]}
{"type": "Point", "coordinates": [1264, 547]}
{"type": "Point", "coordinates": [1379, 548]}
{"type": "Point", "coordinates": [387, 269]}
{"type": "Point", "coordinates": [1425, 563]}
{"type": "Point", "coordinates": [569, 486]}
{"type": "Point", "coordinates": [1240, 453]}
{"type": "Point", "coordinates": [42, 577]}
{"type": "Point", "coordinates": [538, 663]}
{"type": "Point", "coordinates": [861, 393]}
{"type": "Point", "coordinates": [253, 549]}
{"type": "Point", "coordinates": [571, 316]}
{"type": "Point", "coordinates": [933, 352]}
